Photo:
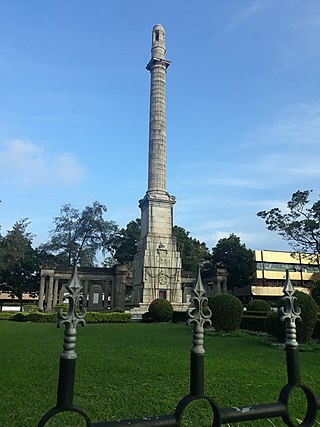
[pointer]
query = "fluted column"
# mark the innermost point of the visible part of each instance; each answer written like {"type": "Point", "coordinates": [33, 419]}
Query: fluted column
{"type": "Point", "coordinates": [157, 122]}
{"type": "Point", "coordinates": [50, 292]}
{"type": "Point", "coordinates": [41, 292]}
{"type": "Point", "coordinates": [55, 292]}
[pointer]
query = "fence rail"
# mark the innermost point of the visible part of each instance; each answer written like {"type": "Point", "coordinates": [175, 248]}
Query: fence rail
{"type": "Point", "coordinates": [199, 315]}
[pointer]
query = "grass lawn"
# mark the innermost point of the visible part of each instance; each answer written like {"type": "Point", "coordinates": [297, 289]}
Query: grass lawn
{"type": "Point", "coordinates": [133, 370]}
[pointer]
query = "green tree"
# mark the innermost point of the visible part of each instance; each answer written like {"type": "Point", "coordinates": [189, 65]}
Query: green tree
{"type": "Point", "coordinates": [124, 244]}
{"type": "Point", "coordinates": [19, 261]}
{"type": "Point", "coordinates": [193, 253]}
{"type": "Point", "coordinates": [315, 292]}
{"type": "Point", "coordinates": [300, 225]}
{"type": "Point", "coordinates": [232, 255]}
{"type": "Point", "coordinates": [80, 235]}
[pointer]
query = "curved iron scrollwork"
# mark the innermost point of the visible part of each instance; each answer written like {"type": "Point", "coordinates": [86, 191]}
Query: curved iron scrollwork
{"type": "Point", "coordinates": [199, 315]}
{"type": "Point", "coordinates": [74, 316]}
{"type": "Point", "coordinates": [290, 313]}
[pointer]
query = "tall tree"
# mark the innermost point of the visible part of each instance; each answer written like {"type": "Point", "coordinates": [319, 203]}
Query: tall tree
{"type": "Point", "coordinates": [193, 253]}
{"type": "Point", "coordinates": [300, 225]}
{"type": "Point", "coordinates": [232, 255]}
{"type": "Point", "coordinates": [19, 262]}
{"type": "Point", "coordinates": [80, 235]}
{"type": "Point", "coordinates": [124, 244]}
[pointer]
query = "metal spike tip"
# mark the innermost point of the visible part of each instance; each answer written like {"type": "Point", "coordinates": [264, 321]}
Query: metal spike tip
{"type": "Point", "coordinates": [288, 288]}
{"type": "Point", "coordinates": [74, 282]}
{"type": "Point", "coordinates": [199, 286]}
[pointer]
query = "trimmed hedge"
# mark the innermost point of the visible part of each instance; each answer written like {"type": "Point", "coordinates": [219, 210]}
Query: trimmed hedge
{"type": "Point", "coordinates": [20, 317]}
{"type": "Point", "coordinates": [160, 310]}
{"type": "Point", "coordinates": [227, 312]}
{"type": "Point", "coordinates": [30, 308]}
{"type": "Point", "coordinates": [253, 323]}
{"type": "Point", "coordinates": [117, 310]}
{"type": "Point", "coordinates": [256, 313]}
{"type": "Point", "coordinates": [309, 316]}
{"type": "Point", "coordinates": [6, 315]}
{"type": "Point", "coordinates": [63, 306]}
{"type": "Point", "coordinates": [42, 317]}
{"type": "Point", "coordinates": [316, 331]}
{"type": "Point", "coordinates": [179, 317]}
{"type": "Point", "coordinates": [145, 318]}
{"type": "Point", "coordinates": [273, 326]}
{"type": "Point", "coordinates": [305, 328]}
{"type": "Point", "coordinates": [91, 317]}
{"type": "Point", "coordinates": [35, 317]}
{"type": "Point", "coordinates": [258, 305]}
{"type": "Point", "coordinates": [103, 317]}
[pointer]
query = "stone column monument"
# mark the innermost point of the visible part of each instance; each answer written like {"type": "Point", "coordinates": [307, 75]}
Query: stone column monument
{"type": "Point", "coordinates": [157, 264]}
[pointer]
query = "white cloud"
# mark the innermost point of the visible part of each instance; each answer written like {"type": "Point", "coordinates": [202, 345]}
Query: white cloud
{"type": "Point", "coordinates": [304, 32]}
{"type": "Point", "coordinates": [242, 17]}
{"type": "Point", "coordinates": [298, 126]}
{"type": "Point", "coordinates": [239, 182]}
{"type": "Point", "coordinates": [25, 163]}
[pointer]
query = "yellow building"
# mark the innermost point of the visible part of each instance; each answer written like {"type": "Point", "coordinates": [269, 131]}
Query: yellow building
{"type": "Point", "coordinates": [271, 269]}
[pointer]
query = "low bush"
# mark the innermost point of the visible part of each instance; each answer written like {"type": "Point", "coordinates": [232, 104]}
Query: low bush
{"type": "Point", "coordinates": [316, 331]}
{"type": "Point", "coordinates": [117, 310]}
{"type": "Point", "coordinates": [145, 318]}
{"type": "Point", "coordinates": [63, 306]}
{"type": "Point", "coordinates": [29, 308]}
{"type": "Point", "coordinates": [309, 316]}
{"type": "Point", "coordinates": [258, 305]}
{"type": "Point", "coordinates": [20, 317]}
{"type": "Point", "coordinates": [160, 310]}
{"type": "Point", "coordinates": [35, 317]}
{"type": "Point", "coordinates": [6, 315]}
{"type": "Point", "coordinates": [226, 311]}
{"type": "Point", "coordinates": [273, 326]}
{"type": "Point", "coordinates": [42, 317]}
{"type": "Point", "coordinates": [103, 317]}
{"type": "Point", "coordinates": [256, 313]}
{"type": "Point", "coordinates": [305, 327]}
{"type": "Point", "coordinates": [253, 323]}
{"type": "Point", "coordinates": [179, 317]}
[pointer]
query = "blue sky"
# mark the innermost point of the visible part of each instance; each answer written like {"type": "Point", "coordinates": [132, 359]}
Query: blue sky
{"type": "Point", "coordinates": [243, 110]}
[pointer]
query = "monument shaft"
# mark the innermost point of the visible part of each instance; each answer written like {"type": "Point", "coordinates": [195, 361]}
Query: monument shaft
{"type": "Point", "coordinates": [157, 122]}
{"type": "Point", "coordinates": [157, 263]}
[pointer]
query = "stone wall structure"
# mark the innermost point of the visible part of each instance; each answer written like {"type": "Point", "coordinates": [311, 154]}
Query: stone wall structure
{"type": "Point", "coordinates": [103, 288]}
{"type": "Point", "coordinates": [157, 264]}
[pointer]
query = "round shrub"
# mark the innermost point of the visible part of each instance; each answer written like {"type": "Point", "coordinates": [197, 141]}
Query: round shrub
{"type": "Point", "coordinates": [226, 312]}
{"type": "Point", "coordinates": [21, 316]}
{"type": "Point", "coordinates": [160, 310]}
{"type": "Point", "coordinates": [309, 316]}
{"type": "Point", "coordinates": [258, 305]}
{"type": "Point", "coordinates": [315, 291]}
{"type": "Point", "coordinates": [273, 326]}
{"type": "Point", "coordinates": [145, 318]}
{"type": "Point", "coordinates": [305, 327]}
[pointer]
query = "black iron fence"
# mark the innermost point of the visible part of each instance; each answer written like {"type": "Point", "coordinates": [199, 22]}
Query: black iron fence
{"type": "Point", "coordinates": [199, 315]}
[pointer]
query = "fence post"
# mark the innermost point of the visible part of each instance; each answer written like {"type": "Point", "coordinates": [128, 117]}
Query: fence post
{"type": "Point", "coordinates": [74, 316]}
